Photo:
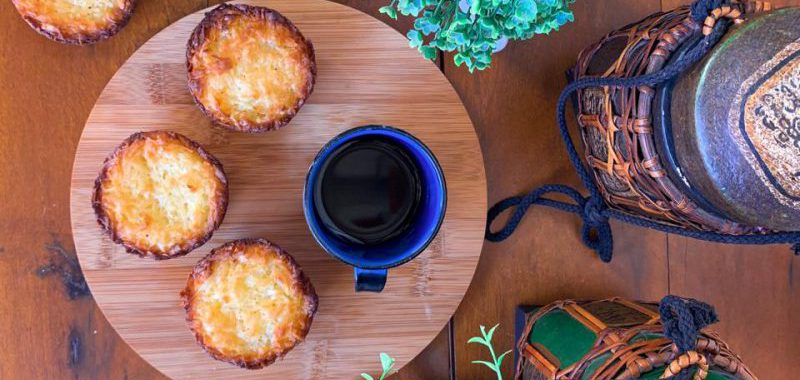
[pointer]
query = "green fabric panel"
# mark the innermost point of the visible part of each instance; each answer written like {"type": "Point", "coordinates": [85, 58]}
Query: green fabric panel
{"type": "Point", "coordinates": [593, 365]}
{"type": "Point", "coordinates": [714, 375]}
{"type": "Point", "coordinates": [566, 338]}
{"type": "Point", "coordinates": [655, 374]}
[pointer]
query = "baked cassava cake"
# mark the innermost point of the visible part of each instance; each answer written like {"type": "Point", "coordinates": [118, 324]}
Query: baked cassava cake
{"type": "Point", "coordinates": [250, 69]}
{"type": "Point", "coordinates": [160, 194]}
{"type": "Point", "coordinates": [249, 303]}
{"type": "Point", "coordinates": [77, 22]}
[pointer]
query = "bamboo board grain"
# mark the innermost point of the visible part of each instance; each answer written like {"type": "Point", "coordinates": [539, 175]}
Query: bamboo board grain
{"type": "Point", "coordinates": [367, 75]}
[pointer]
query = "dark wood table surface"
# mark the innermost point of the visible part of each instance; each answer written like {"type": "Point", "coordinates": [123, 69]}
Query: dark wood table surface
{"type": "Point", "coordinates": [52, 329]}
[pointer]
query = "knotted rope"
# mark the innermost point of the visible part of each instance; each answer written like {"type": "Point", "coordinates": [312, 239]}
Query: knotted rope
{"type": "Point", "coordinates": [683, 318]}
{"type": "Point", "coordinates": [595, 213]}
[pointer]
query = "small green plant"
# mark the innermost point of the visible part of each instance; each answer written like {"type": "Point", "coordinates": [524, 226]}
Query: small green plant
{"type": "Point", "coordinates": [486, 340]}
{"type": "Point", "coordinates": [387, 362]}
{"type": "Point", "coordinates": [473, 28]}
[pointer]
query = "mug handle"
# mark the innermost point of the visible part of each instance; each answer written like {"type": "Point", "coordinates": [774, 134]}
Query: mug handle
{"type": "Point", "coordinates": [370, 280]}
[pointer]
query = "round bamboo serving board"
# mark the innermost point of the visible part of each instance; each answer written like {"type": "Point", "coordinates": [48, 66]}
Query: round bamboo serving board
{"type": "Point", "coordinates": [367, 75]}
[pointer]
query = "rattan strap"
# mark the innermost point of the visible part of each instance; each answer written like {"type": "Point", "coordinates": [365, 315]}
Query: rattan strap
{"type": "Point", "coordinates": [686, 361]}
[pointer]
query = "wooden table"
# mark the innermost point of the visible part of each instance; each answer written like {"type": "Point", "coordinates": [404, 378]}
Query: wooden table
{"type": "Point", "coordinates": [53, 329]}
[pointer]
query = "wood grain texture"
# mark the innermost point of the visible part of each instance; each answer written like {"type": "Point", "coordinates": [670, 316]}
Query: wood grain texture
{"type": "Point", "coordinates": [47, 92]}
{"type": "Point", "coordinates": [366, 75]}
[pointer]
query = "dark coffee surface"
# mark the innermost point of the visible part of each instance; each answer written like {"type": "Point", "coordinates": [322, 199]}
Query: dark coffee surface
{"type": "Point", "coordinates": [369, 190]}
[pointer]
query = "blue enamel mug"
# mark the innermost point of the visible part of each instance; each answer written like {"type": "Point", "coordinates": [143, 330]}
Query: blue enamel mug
{"type": "Point", "coordinates": [371, 262]}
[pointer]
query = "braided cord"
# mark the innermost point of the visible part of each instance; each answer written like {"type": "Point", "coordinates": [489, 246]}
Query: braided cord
{"type": "Point", "coordinates": [683, 318]}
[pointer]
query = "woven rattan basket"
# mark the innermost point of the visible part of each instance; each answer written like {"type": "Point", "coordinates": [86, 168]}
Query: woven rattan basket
{"type": "Point", "coordinates": [617, 125]}
{"type": "Point", "coordinates": [613, 339]}
{"type": "Point", "coordinates": [690, 123]}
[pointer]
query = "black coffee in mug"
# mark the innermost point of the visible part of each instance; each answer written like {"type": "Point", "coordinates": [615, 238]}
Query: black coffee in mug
{"type": "Point", "coordinates": [369, 190]}
{"type": "Point", "coordinates": [374, 198]}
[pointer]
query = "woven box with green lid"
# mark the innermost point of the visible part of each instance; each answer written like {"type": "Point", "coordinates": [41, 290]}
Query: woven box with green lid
{"type": "Point", "coordinates": [613, 339]}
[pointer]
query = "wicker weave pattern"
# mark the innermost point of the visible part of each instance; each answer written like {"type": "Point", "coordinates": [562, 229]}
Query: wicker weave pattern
{"type": "Point", "coordinates": [628, 360]}
{"type": "Point", "coordinates": [617, 127]}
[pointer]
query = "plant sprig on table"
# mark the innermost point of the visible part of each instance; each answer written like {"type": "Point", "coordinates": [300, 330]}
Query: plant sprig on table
{"type": "Point", "coordinates": [486, 340]}
{"type": "Point", "coordinates": [387, 362]}
{"type": "Point", "coordinates": [473, 33]}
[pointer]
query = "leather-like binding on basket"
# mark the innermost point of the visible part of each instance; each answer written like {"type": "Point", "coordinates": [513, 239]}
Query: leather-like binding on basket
{"type": "Point", "coordinates": [617, 126]}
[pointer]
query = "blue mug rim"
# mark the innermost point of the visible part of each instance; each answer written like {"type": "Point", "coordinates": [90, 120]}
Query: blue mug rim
{"type": "Point", "coordinates": [307, 213]}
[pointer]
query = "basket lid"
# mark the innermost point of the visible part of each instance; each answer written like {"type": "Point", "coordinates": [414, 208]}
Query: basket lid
{"type": "Point", "coordinates": [736, 123]}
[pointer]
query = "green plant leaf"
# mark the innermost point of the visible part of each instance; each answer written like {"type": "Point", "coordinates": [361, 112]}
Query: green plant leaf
{"type": "Point", "coordinates": [458, 59]}
{"type": "Point", "coordinates": [428, 52]}
{"type": "Point", "coordinates": [473, 33]}
{"type": "Point", "coordinates": [470, 65]}
{"type": "Point", "coordinates": [475, 7]}
{"type": "Point", "coordinates": [409, 7]}
{"type": "Point", "coordinates": [386, 362]}
{"type": "Point", "coordinates": [484, 57]}
{"type": "Point", "coordinates": [526, 9]}
{"type": "Point", "coordinates": [486, 339]}
{"type": "Point", "coordinates": [474, 339]}
{"type": "Point", "coordinates": [501, 357]}
{"type": "Point", "coordinates": [414, 38]}
{"type": "Point", "coordinates": [458, 38]}
{"type": "Point", "coordinates": [542, 29]}
{"type": "Point", "coordinates": [488, 335]}
{"type": "Point", "coordinates": [563, 17]}
{"type": "Point", "coordinates": [460, 19]}
{"type": "Point", "coordinates": [490, 365]}
{"type": "Point", "coordinates": [389, 11]}
{"type": "Point", "coordinates": [426, 25]}
{"type": "Point", "coordinates": [367, 377]}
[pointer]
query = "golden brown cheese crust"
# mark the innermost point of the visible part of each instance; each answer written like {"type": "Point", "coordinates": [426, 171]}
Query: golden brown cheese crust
{"type": "Point", "coordinates": [160, 194]}
{"type": "Point", "coordinates": [78, 22]}
{"type": "Point", "coordinates": [249, 303]}
{"type": "Point", "coordinates": [250, 69]}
